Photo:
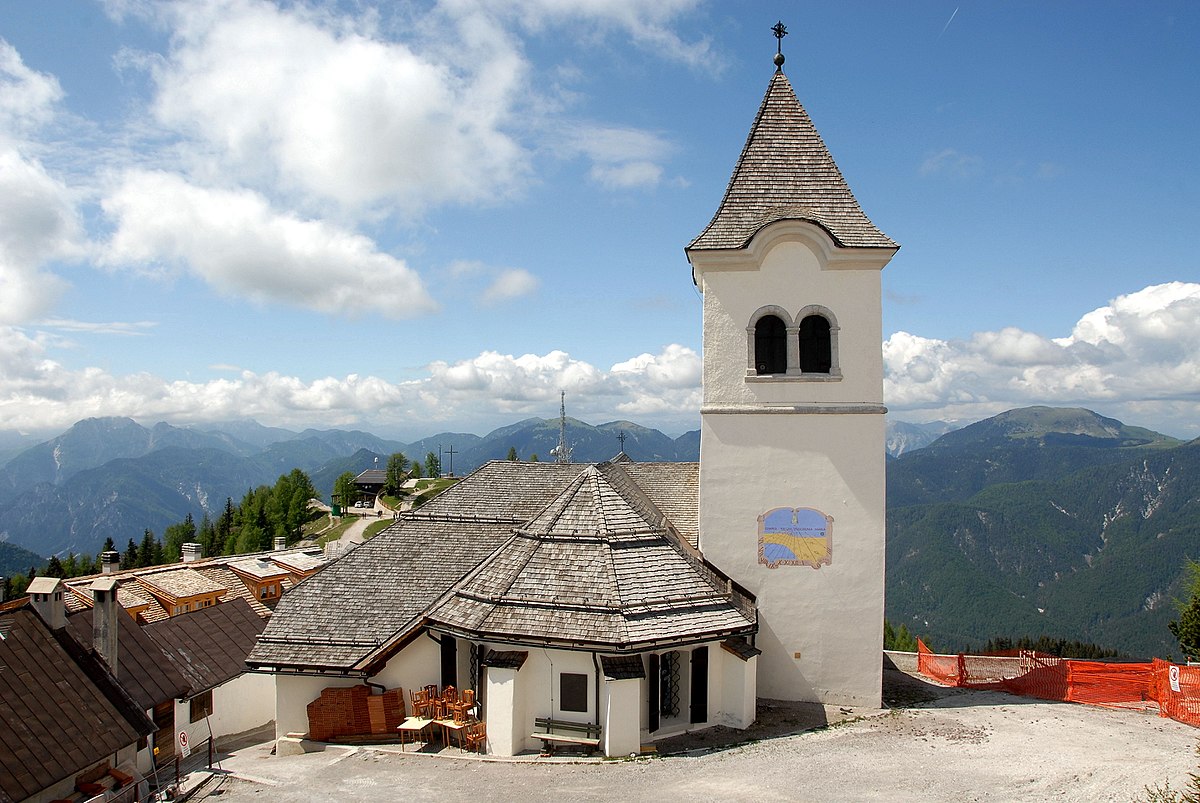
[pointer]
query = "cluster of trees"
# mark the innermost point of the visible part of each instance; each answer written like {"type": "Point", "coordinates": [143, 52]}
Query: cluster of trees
{"type": "Point", "coordinates": [1051, 646]}
{"type": "Point", "coordinates": [899, 639]}
{"type": "Point", "coordinates": [265, 513]}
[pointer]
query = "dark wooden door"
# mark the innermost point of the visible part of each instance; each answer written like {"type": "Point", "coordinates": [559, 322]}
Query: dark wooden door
{"type": "Point", "coordinates": [699, 685]}
{"type": "Point", "coordinates": [449, 661]}
{"type": "Point", "coordinates": [164, 737]}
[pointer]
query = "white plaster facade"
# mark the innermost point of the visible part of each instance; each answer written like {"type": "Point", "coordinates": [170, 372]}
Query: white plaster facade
{"type": "Point", "coordinates": [798, 441]}
{"type": "Point", "coordinates": [238, 705]}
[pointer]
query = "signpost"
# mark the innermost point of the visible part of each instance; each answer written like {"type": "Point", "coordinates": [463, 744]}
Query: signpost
{"type": "Point", "coordinates": [184, 747]}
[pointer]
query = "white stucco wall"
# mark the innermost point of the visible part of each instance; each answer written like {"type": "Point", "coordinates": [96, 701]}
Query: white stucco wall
{"type": "Point", "coordinates": [734, 685]}
{"type": "Point", "coordinates": [293, 693]}
{"type": "Point", "coordinates": [245, 702]}
{"type": "Point", "coordinates": [621, 731]}
{"type": "Point", "coordinates": [796, 443]}
{"type": "Point", "coordinates": [417, 665]}
{"type": "Point", "coordinates": [502, 712]}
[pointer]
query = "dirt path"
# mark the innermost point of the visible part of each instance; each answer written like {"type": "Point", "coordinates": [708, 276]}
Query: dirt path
{"type": "Point", "coordinates": [972, 746]}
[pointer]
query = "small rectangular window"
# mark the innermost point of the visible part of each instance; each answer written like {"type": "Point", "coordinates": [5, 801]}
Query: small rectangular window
{"type": "Point", "coordinates": [202, 706]}
{"type": "Point", "coordinates": [573, 692]}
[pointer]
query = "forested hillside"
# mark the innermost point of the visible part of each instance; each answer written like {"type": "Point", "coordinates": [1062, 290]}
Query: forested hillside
{"type": "Point", "coordinates": [1090, 545]}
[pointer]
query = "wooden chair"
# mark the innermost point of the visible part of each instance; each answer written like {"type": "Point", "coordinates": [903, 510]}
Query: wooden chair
{"type": "Point", "coordinates": [450, 695]}
{"type": "Point", "coordinates": [422, 706]}
{"type": "Point", "coordinates": [475, 736]}
{"type": "Point", "coordinates": [465, 707]}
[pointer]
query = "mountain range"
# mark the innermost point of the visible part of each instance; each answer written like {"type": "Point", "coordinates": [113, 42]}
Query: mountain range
{"type": "Point", "coordinates": [1043, 521]}
{"type": "Point", "coordinates": [112, 477]}
{"type": "Point", "coordinates": [1036, 521]}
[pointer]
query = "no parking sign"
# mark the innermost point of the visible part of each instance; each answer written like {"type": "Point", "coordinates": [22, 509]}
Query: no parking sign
{"type": "Point", "coordinates": [1173, 676]}
{"type": "Point", "coordinates": [185, 747]}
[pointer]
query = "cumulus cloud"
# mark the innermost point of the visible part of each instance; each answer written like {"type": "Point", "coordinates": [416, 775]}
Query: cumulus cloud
{"type": "Point", "coordinates": [488, 390]}
{"type": "Point", "coordinates": [324, 105]}
{"type": "Point", "coordinates": [37, 224]}
{"type": "Point", "coordinates": [233, 240]}
{"type": "Point", "coordinates": [1137, 358]}
{"type": "Point", "coordinates": [27, 97]}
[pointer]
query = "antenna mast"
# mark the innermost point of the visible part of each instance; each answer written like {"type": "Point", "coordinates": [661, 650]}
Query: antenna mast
{"type": "Point", "coordinates": [562, 452]}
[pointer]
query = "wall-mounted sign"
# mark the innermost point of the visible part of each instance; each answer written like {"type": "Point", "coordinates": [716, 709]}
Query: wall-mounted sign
{"type": "Point", "coordinates": [795, 536]}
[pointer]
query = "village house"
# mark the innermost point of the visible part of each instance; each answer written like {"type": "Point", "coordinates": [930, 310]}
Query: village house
{"type": "Point", "coordinates": [68, 726]}
{"type": "Point", "coordinates": [625, 601]}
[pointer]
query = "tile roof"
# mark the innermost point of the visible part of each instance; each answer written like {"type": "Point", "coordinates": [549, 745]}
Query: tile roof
{"type": "Point", "coordinates": [300, 561]}
{"type": "Point", "coordinates": [236, 588]}
{"type": "Point", "coordinates": [785, 172]}
{"type": "Point", "coordinates": [55, 720]}
{"type": "Point", "coordinates": [209, 646]}
{"type": "Point", "coordinates": [142, 668]}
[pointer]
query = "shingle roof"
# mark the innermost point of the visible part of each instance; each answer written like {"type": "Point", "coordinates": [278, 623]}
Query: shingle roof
{"type": "Point", "coordinates": [258, 568]}
{"type": "Point", "coordinates": [345, 616]}
{"type": "Point", "coordinates": [623, 667]}
{"type": "Point", "coordinates": [180, 583]}
{"type": "Point", "coordinates": [209, 646]}
{"type": "Point", "coordinates": [786, 172]}
{"type": "Point", "coordinates": [54, 720]}
{"type": "Point", "coordinates": [598, 566]}
{"type": "Point", "coordinates": [349, 610]}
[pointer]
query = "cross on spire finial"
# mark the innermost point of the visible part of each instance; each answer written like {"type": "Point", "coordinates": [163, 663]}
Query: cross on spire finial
{"type": "Point", "coordinates": [780, 31]}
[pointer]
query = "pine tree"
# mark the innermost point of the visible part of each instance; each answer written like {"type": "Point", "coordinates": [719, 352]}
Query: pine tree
{"type": "Point", "coordinates": [54, 567]}
{"type": "Point", "coordinates": [1186, 629]}
{"type": "Point", "coordinates": [512, 454]}
{"type": "Point", "coordinates": [129, 558]}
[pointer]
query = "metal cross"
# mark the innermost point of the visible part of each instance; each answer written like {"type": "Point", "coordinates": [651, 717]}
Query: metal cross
{"type": "Point", "coordinates": [780, 31]}
{"type": "Point", "coordinates": [451, 452]}
{"type": "Point", "coordinates": [621, 438]}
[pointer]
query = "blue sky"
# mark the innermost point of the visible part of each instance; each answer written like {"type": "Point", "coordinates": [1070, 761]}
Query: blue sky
{"type": "Point", "coordinates": [409, 217]}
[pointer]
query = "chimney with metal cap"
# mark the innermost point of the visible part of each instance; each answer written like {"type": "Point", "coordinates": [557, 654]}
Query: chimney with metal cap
{"type": "Point", "coordinates": [280, 543]}
{"type": "Point", "coordinates": [104, 620]}
{"type": "Point", "coordinates": [46, 594]}
{"type": "Point", "coordinates": [192, 551]}
{"type": "Point", "coordinates": [110, 561]}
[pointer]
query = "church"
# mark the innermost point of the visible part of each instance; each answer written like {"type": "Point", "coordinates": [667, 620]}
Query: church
{"type": "Point", "coordinates": [645, 600]}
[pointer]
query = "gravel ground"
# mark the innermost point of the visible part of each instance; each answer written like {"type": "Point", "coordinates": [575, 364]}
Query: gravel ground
{"type": "Point", "coordinates": [942, 744]}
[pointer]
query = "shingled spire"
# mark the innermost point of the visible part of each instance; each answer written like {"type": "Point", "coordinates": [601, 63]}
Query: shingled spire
{"type": "Point", "coordinates": [785, 172]}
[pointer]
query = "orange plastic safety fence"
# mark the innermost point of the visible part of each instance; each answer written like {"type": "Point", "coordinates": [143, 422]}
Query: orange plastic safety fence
{"type": "Point", "coordinates": [1177, 689]}
{"type": "Point", "coordinates": [1171, 689]}
{"type": "Point", "coordinates": [1112, 685]}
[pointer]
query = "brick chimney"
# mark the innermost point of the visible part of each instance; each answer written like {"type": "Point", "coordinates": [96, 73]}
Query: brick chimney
{"type": "Point", "coordinates": [104, 620]}
{"type": "Point", "coordinates": [280, 543]}
{"type": "Point", "coordinates": [192, 552]}
{"type": "Point", "coordinates": [110, 561]}
{"type": "Point", "coordinates": [46, 593]}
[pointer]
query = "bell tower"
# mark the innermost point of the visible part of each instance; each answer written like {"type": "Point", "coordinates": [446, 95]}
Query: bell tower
{"type": "Point", "coordinates": [792, 443]}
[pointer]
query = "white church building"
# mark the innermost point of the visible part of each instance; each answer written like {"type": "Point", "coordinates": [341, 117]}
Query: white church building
{"type": "Point", "coordinates": [649, 599]}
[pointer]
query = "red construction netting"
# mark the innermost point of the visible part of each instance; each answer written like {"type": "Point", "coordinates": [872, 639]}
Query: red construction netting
{"type": "Point", "coordinates": [1172, 690]}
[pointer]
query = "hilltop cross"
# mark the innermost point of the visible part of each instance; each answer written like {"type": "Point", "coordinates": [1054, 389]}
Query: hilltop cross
{"type": "Point", "coordinates": [621, 438]}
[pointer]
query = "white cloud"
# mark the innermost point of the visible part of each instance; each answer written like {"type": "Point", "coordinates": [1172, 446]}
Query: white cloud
{"type": "Point", "coordinates": [322, 105]}
{"type": "Point", "coordinates": [511, 283]}
{"type": "Point", "coordinates": [1137, 358]}
{"type": "Point", "coordinates": [127, 328]}
{"type": "Point", "coordinates": [37, 224]}
{"type": "Point", "coordinates": [489, 390]}
{"type": "Point", "coordinates": [622, 158]}
{"type": "Point", "coordinates": [27, 97]}
{"type": "Point", "coordinates": [234, 241]}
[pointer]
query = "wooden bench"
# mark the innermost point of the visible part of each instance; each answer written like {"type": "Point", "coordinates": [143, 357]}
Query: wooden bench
{"type": "Point", "coordinates": [554, 733]}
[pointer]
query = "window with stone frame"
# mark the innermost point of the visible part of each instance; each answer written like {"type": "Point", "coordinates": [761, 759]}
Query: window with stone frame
{"type": "Point", "coordinates": [770, 346]}
{"type": "Point", "coordinates": [816, 345]}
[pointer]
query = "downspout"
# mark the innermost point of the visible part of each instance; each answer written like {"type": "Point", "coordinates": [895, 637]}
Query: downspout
{"type": "Point", "coordinates": [596, 663]}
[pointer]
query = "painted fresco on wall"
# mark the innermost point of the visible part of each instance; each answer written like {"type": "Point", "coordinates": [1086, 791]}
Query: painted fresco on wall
{"type": "Point", "coordinates": [795, 536]}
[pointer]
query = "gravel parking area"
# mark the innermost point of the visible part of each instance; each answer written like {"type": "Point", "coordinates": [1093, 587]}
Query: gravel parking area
{"type": "Point", "coordinates": [945, 744]}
